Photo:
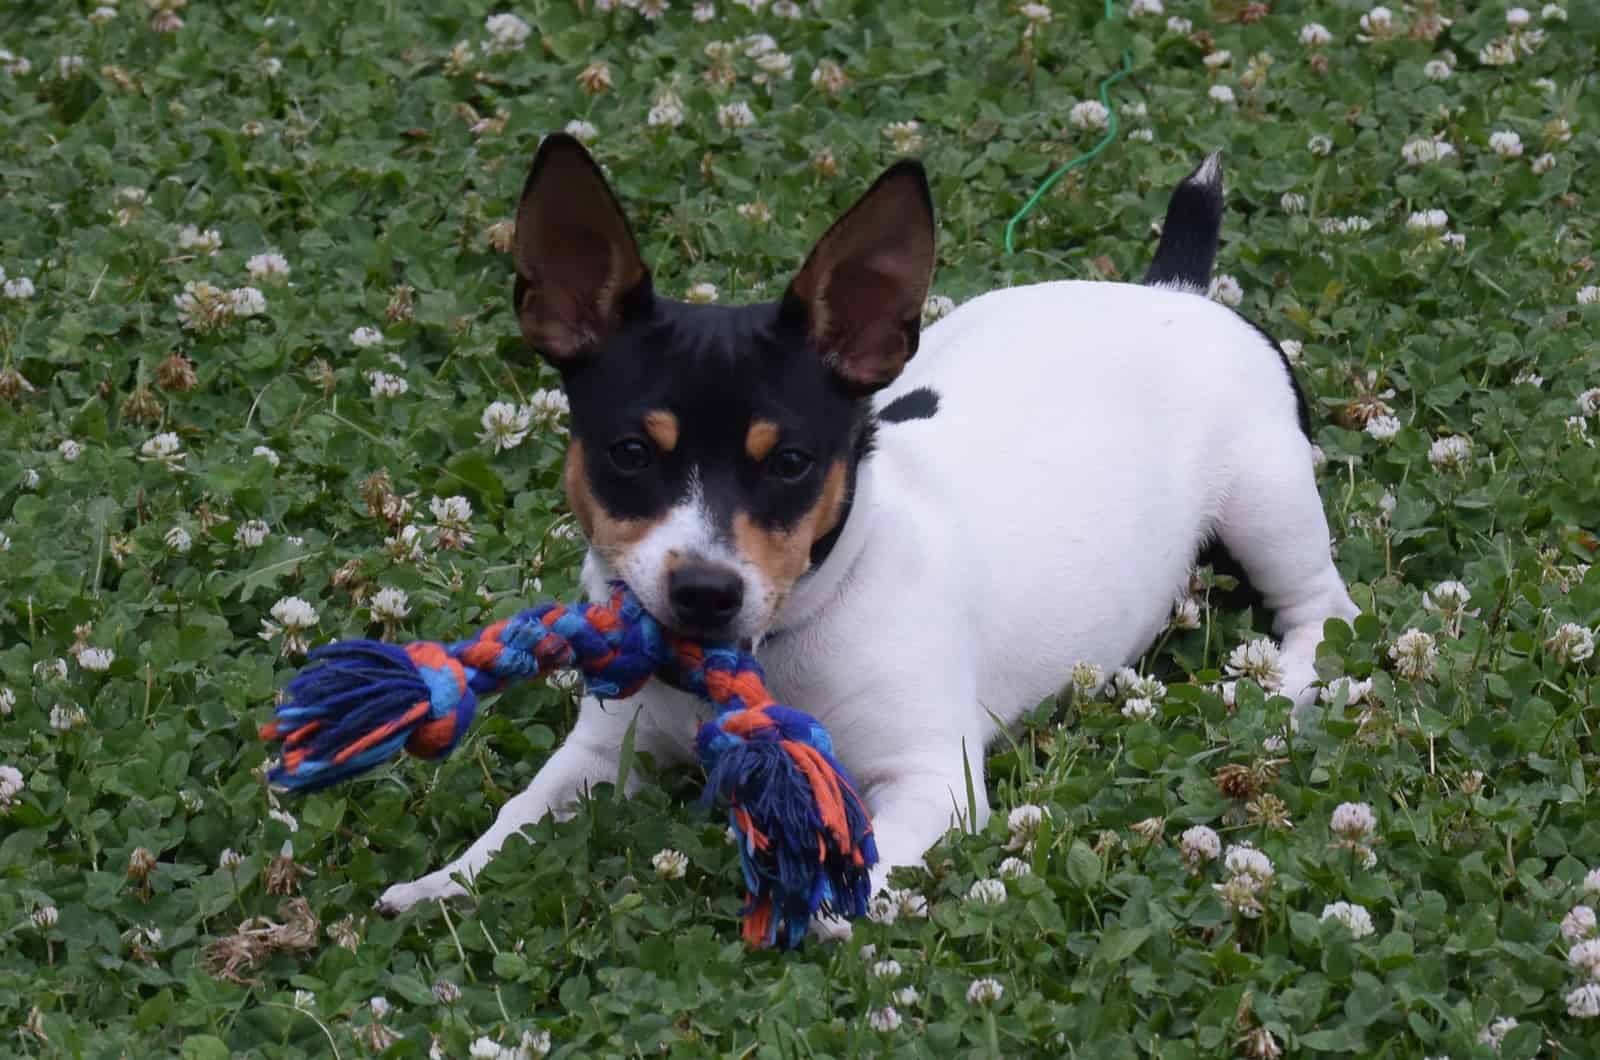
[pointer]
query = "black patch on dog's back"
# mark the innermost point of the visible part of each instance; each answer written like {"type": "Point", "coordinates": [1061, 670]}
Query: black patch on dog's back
{"type": "Point", "coordinates": [919, 404]}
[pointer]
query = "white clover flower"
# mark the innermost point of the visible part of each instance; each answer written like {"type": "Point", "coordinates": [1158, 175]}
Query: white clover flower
{"type": "Point", "coordinates": [548, 407]}
{"type": "Point", "coordinates": [364, 338]}
{"type": "Point", "coordinates": [69, 450]}
{"type": "Point", "coordinates": [884, 1020]}
{"type": "Point", "coordinates": [1571, 643]}
{"type": "Point", "coordinates": [251, 533]}
{"type": "Point", "coordinates": [1379, 22]}
{"type": "Point", "coordinates": [1446, 598]}
{"type": "Point", "coordinates": [1179, 25]}
{"type": "Point", "coordinates": [1219, 58]}
{"type": "Point", "coordinates": [44, 918]}
{"type": "Point", "coordinates": [390, 605]}
{"type": "Point", "coordinates": [1579, 924]}
{"type": "Point", "coordinates": [1424, 150]}
{"type": "Point", "coordinates": [1437, 70]}
{"type": "Point", "coordinates": [178, 539]}
{"type": "Point", "coordinates": [1089, 114]}
{"type": "Point", "coordinates": [229, 859]}
{"type": "Point", "coordinates": [507, 33]}
{"type": "Point", "coordinates": [304, 1000]}
{"type": "Point", "coordinates": [1260, 661]}
{"type": "Point", "coordinates": [268, 454]}
{"type": "Point", "coordinates": [774, 66]}
{"type": "Point", "coordinates": [445, 992]}
{"type": "Point", "coordinates": [701, 294]}
{"type": "Point", "coordinates": [1584, 1002]}
{"type": "Point", "coordinates": [756, 212]}
{"type": "Point", "coordinates": [666, 110]}
{"type": "Point", "coordinates": [1517, 17]}
{"type": "Point", "coordinates": [286, 819]}
{"type": "Point", "coordinates": [96, 660]}
{"type": "Point", "coordinates": [1024, 821]}
{"type": "Point", "coordinates": [11, 785]}
{"type": "Point", "coordinates": [293, 617]}
{"type": "Point", "coordinates": [670, 864]}
{"type": "Point", "coordinates": [1383, 428]}
{"type": "Point", "coordinates": [1589, 295]}
{"type": "Point", "coordinates": [1186, 613]}
{"type": "Point", "coordinates": [651, 10]}
{"type": "Point", "coordinates": [267, 268]}
{"type": "Point", "coordinates": [534, 1044]}
{"type": "Point", "coordinates": [8, 701]}
{"type": "Point", "coordinates": [451, 511]}
{"type": "Point", "coordinates": [888, 970]}
{"type": "Point", "coordinates": [1292, 202]}
{"type": "Point", "coordinates": [1353, 821]}
{"type": "Point", "coordinates": [1452, 453]}
{"type": "Point", "coordinates": [164, 449]}
{"type": "Point", "coordinates": [1589, 402]}
{"type": "Point", "coordinates": [1315, 35]}
{"type": "Point", "coordinates": [1242, 859]}
{"type": "Point", "coordinates": [48, 669]}
{"type": "Point", "coordinates": [64, 718]}
{"type": "Point", "coordinates": [1199, 845]}
{"type": "Point", "coordinates": [1087, 679]}
{"type": "Point", "coordinates": [1145, 135]}
{"type": "Point", "coordinates": [379, 1007]}
{"type": "Point", "coordinates": [20, 289]}
{"type": "Point", "coordinates": [582, 131]}
{"type": "Point", "coordinates": [1292, 349]}
{"type": "Point", "coordinates": [102, 14]}
{"type": "Point", "coordinates": [1220, 94]}
{"type": "Point", "coordinates": [1427, 220]}
{"type": "Point", "coordinates": [384, 385]}
{"type": "Point", "coordinates": [1584, 957]}
{"type": "Point", "coordinates": [246, 302]}
{"type": "Point", "coordinates": [1146, 7]}
{"type": "Point", "coordinates": [828, 76]}
{"type": "Point", "coordinates": [271, 67]}
{"type": "Point", "coordinates": [1138, 708]}
{"type": "Point", "coordinates": [1355, 691]}
{"type": "Point", "coordinates": [1505, 143]}
{"type": "Point", "coordinates": [1578, 430]}
{"type": "Point", "coordinates": [505, 425]}
{"type": "Point", "coordinates": [1543, 164]}
{"type": "Point", "coordinates": [904, 136]}
{"type": "Point", "coordinates": [1039, 14]}
{"type": "Point", "coordinates": [987, 892]}
{"type": "Point", "coordinates": [735, 115]}
{"type": "Point", "coordinates": [1499, 52]}
{"type": "Point", "coordinates": [486, 1049]}
{"type": "Point", "coordinates": [208, 242]}
{"type": "Point", "coordinates": [1354, 917]}
{"type": "Point", "coordinates": [1415, 655]}
{"type": "Point", "coordinates": [985, 991]}
{"type": "Point", "coordinates": [704, 11]}
{"type": "Point", "coordinates": [202, 307]}
{"type": "Point", "coordinates": [1225, 289]}
{"type": "Point", "coordinates": [1553, 13]}
{"type": "Point", "coordinates": [1241, 894]}
{"type": "Point", "coordinates": [1014, 869]}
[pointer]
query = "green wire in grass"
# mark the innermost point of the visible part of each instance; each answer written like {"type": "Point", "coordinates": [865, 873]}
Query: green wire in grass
{"type": "Point", "coordinates": [1087, 156]}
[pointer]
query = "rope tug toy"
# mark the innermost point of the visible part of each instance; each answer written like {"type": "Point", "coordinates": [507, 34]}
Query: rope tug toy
{"type": "Point", "coordinates": [805, 838]}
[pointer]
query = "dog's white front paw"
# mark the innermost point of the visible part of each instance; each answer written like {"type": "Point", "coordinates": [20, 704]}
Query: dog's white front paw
{"type": "Point", "coordinates": [435, 886]}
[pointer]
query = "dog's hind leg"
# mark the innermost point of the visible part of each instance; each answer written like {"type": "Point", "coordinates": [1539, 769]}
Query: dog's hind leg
{"type": "Point", "coordinates": [1273, 523]}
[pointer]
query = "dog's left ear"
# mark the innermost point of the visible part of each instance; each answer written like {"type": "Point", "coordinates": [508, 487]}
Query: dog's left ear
{"type": "Point", "coordinates": [863, 286]}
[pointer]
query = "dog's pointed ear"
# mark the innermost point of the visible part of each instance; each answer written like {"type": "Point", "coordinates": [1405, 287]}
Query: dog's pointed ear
{"type": "Point", "coordinates": [578, 266]}
{"type": "Point", "coordinates": [863, 286]}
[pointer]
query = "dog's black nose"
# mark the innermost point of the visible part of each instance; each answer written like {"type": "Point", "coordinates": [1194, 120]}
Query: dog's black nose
{"type": "Point", "coordinates": [704, 595]}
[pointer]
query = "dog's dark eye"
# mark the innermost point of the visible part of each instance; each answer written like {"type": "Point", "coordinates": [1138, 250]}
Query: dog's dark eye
{"type": "Point", "coordinates": [790, 465]}
{"type": "Point", "coordinates": [630, 455]}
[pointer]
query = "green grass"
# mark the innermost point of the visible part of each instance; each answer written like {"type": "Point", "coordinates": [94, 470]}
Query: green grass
{"type": "Point", "coordinates": [359, 162]}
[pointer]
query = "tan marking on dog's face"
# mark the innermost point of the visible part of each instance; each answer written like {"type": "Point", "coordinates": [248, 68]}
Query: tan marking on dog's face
{"type": "Point", "coordinates": [610, 535]}
{"type": "Point", "coordinates": [760, 439]}
{"type": "Point", "coordinates": [784, 555]}
{"type": "Point", "coordinates": [662, 427]}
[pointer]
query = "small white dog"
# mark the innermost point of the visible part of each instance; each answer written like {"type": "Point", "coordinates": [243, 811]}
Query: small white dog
{"type": "Point", "coordinates": [920, 551]}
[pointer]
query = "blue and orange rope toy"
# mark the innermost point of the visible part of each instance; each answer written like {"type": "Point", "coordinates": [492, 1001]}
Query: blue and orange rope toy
{"type": "Point", "coordinates": [805, 838]}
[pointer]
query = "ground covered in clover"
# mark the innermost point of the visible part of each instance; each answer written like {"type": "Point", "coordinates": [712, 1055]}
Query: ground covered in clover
{"type": "Point", "coordinates": [260, 388]}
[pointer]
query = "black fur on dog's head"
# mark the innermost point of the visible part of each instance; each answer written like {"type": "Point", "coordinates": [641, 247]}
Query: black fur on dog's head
{"type": "Point", "coordinates": [714, 447]}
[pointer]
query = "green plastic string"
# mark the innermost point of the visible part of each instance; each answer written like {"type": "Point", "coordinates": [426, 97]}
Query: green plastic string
{"type": "Point", "coordinates": [1083, 159]}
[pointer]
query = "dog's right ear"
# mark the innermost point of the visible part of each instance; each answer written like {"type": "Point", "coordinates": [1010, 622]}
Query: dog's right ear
{"type": "Point", "coordinates": [578, 266]}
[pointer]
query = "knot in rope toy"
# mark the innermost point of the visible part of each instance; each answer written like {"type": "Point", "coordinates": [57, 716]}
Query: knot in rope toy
{"type": "Point", "coordinates": [805, 838]}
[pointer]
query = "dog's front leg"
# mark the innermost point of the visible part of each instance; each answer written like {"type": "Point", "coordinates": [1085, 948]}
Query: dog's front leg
{"type": "Point", "coordinates": [588, 757]}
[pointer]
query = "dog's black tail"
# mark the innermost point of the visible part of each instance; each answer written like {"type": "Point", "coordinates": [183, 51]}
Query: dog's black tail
{"type": "Point", "coordinates": [1188, 246]}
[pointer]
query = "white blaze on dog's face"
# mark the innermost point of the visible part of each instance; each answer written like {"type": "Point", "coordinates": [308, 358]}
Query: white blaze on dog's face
{"type": "Point", "coordinates": [714, 447]}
